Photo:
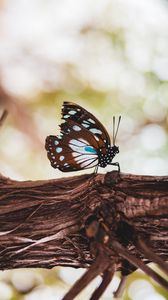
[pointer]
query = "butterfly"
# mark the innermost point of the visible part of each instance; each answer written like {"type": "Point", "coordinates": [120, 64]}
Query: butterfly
{"type": "Point", "coordinates": [83, 141]}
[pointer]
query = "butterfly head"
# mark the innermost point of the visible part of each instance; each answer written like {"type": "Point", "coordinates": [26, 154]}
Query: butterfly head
{"type": "Point", "coordinates": [110, 151]}
{"type": "Point", "coordinates": [114, 150]}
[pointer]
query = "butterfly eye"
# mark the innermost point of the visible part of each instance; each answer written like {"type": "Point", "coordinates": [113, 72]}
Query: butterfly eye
{"type": "Point", "coordinates": [115, 149]}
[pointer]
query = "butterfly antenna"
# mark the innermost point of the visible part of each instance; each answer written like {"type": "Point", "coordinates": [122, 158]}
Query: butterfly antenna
{"type": "Point", "coordinates": [114, 139]}
{"type": "Point", "coordinates": [113, 130]}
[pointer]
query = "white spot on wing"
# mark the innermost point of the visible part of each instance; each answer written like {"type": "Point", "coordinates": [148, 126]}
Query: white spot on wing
{"type": "Point", "coordinates": [77, 148]}
{"type": "Point", "coordinates": [78, 143]}
{"type": "Point", "coordinates": [75, 154]}
{"type": "Point", "coordinates": [85, 125]}
{"type": "Point", "coordinates": [89, 164]}
{"type": "Point", "coordinates": [92, 121]}
{"type": "Point", "coordinates": [58, 149]}
{"type": "Point", "coordinates": [76, 128]}
{"type": "Point", "coordinates": [83, 158]}
{"type": "Point", "coordinates": [95, 130]}
{"type": "Point", "coordinates": [83, 141]}
{"type": "Point", "coordinates": [56, 142]}
{"type": "Point", "coordinates": [72, 112]}
{"type": "Point", "coordinates": [61, 157]}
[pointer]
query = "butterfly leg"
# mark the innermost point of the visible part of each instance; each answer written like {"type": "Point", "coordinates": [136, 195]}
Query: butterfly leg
{"type": "Point", "coordinates": [96, 169]}
{"type": "Point", "coordinates": [116, 164]}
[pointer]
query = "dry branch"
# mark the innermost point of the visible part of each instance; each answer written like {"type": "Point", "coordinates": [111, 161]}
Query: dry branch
{"type": "Point", "coordinates": [56, 222]}
{"type": "Point", "coordinates": [3, 117]}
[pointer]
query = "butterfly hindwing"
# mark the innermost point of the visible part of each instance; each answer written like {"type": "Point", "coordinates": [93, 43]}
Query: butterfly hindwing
{"type": "Point", "coordinates": [74, 150]}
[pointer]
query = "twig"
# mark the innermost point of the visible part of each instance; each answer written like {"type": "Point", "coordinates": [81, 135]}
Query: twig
{"type": "Point", "coordinates": [123, 252]}
{"type": "Point", "coordinates": [118, 293]}
{"type": "Point", "coordinates": [107, 277]}
{"type": "Point", "coordinates": [151, 255]}
{"type": "Point", "coordinates": [96, 269]}
{"type": "Point", "coordinates": [3, 117]}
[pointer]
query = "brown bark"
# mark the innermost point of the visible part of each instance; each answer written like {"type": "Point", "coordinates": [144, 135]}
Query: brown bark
{"type": "Point", "coordinates": [44, 223]}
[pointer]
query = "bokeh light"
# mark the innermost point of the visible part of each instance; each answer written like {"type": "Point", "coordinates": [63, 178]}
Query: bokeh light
{"type": "Point", "coordinates": [110, 57]}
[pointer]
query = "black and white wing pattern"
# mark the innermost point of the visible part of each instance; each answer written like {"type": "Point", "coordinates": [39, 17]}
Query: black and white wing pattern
{"type": "Point", "coordinates": [72, 111]}
{"type": "Point", "coordinates": [83, 141]}
{"type": "Point", "coordinates": [73, 150]}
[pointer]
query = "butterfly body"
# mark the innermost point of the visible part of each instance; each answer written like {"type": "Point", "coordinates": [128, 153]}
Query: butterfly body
{"type": "Point", "coordinates": [83, 142]}
{"type": "Point", "coordinates": [106, 159]}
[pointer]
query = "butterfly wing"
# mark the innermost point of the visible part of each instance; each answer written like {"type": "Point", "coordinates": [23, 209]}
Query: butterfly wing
{"type": "Point", "coordinates": [75, 149]}
{"type": "Point", "coordinates": [76, 113]}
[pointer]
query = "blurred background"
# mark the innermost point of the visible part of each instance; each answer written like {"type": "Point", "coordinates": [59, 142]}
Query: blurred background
{"type": "Point", "coordinates": [111, 57]}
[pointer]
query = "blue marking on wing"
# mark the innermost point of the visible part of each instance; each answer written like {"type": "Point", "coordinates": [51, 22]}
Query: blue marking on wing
{"type": "Point", "coordinates": [90, 149]}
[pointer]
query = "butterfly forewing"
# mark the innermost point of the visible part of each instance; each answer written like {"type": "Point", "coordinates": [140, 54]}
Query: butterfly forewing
{"type": "Point", "coordinates": [71, 111]}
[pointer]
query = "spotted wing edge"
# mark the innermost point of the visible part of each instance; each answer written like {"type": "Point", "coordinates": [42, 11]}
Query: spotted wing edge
{"type": "Point", "coordinates": [77, 160]}
{"type": "Point", "coordinates": [73, 111]}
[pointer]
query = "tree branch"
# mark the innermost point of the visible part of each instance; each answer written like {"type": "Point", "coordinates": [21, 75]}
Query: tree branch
{"type": "Point", "coordinates": [98, 220]}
